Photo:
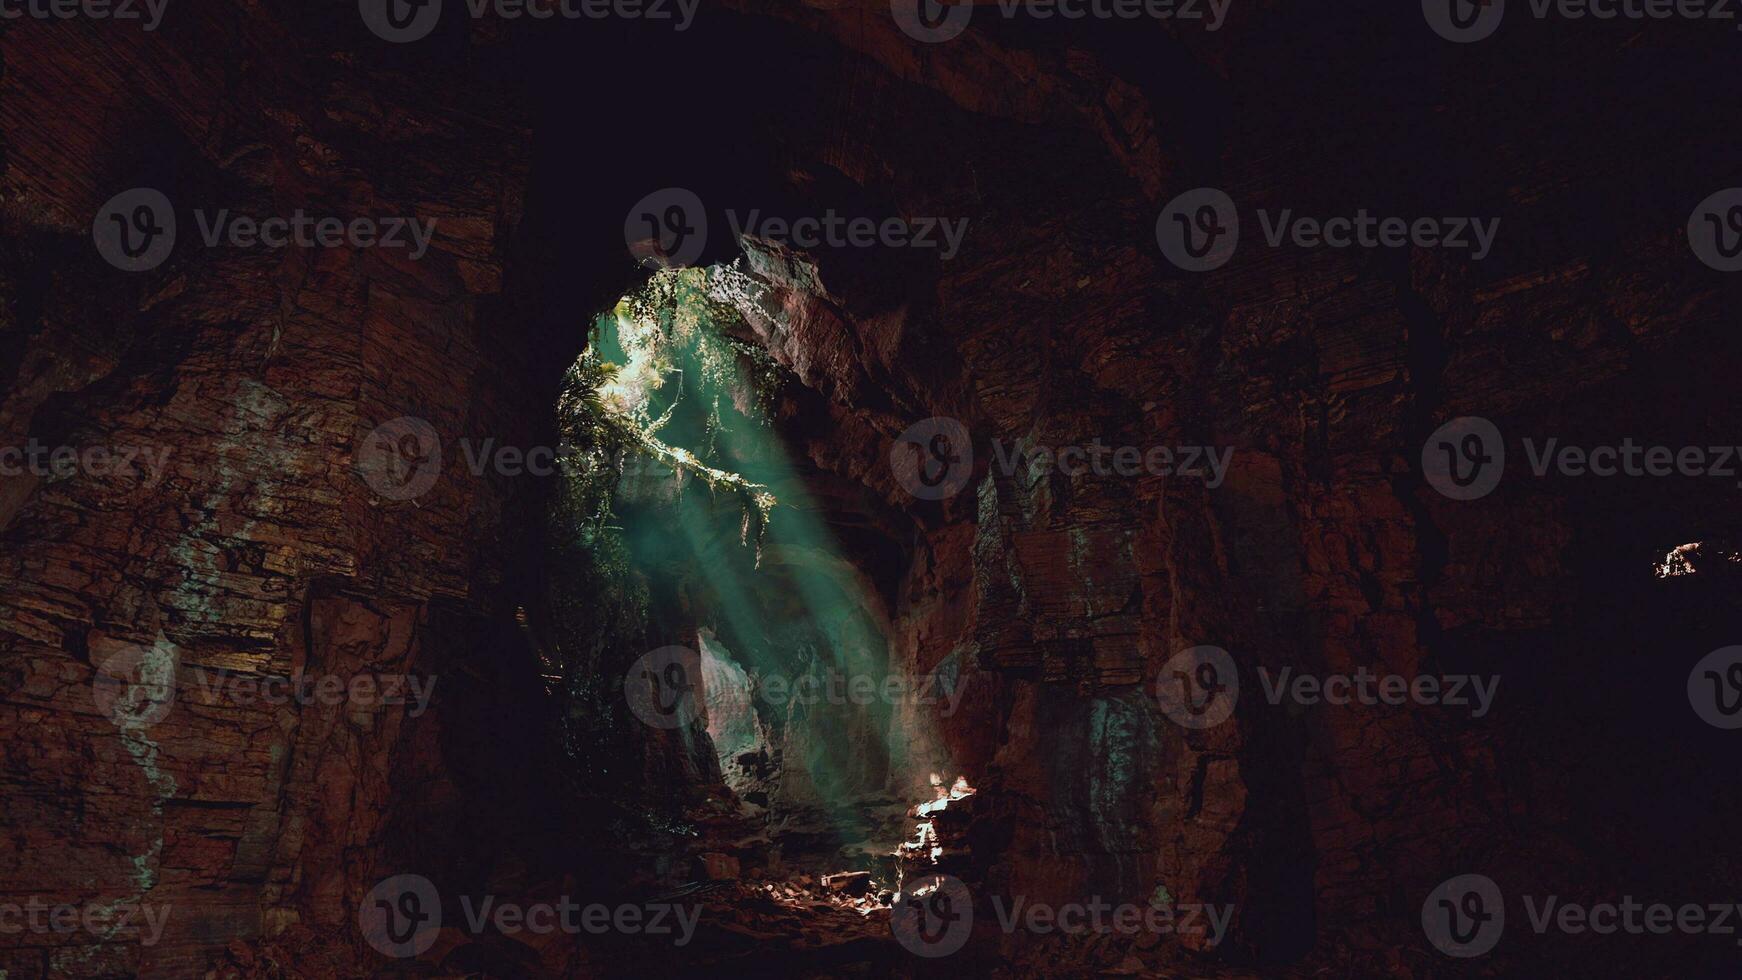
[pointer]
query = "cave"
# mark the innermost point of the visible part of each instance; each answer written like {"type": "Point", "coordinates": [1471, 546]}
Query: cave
{"type": "Point", "coordinates": [825, 488]}
{"type": "Point", "coordinates": [684, 504]}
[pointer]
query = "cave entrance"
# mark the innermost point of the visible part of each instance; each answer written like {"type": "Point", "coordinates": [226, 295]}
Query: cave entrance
{"type": "Point", "coordinates": [686, 521]}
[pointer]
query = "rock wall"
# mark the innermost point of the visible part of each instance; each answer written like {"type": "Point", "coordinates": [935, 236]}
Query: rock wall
{"type": "Point", "coordinates": [254, 376]}
{"type": "Point", "coordinates": [1323, 372]}
{"type": "Point", "coordinates": [1055, 601]}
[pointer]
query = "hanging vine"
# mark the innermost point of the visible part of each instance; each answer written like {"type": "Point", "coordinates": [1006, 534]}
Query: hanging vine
{"type": "Point", "coordinates": [670, 338]}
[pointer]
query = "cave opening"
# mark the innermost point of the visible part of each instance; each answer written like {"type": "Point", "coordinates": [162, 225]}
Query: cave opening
{"type": "Point", "coordinates": [712, 626]}
{"type": "Point", "coordinates": [343, 680]}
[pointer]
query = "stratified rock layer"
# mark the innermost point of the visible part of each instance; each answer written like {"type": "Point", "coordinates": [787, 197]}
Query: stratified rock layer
{"type": "Point", "coordinates": [1053, 600]}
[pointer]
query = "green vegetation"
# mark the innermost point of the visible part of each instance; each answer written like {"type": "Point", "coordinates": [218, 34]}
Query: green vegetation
{"type": "Point", "coordinates": [642, 403]}
{"type": "Point", "coordinates": [669, 449]}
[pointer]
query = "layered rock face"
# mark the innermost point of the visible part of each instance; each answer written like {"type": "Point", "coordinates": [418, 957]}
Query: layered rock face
{"type": "Point", "coordinates": [1306, 380]}
{"type": "Point", "coordinates": [249, 378]}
